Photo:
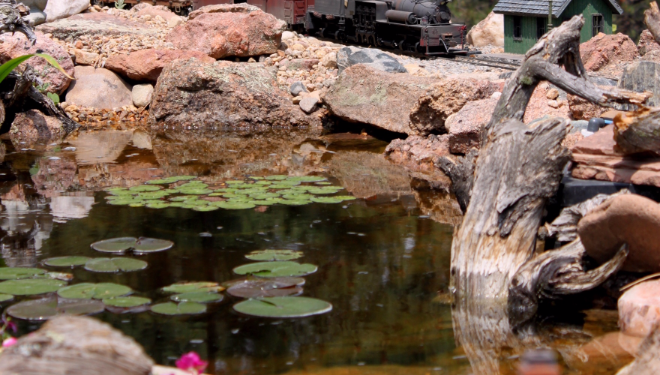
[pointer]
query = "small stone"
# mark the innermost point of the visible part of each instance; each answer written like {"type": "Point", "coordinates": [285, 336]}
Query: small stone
{"type": "Point", "coordinates": [85, 58]}
{"type": "Point", "coordinates": [553, 104]}
{"type": "Point", "coordinates": [296, 100]}
{"type": "Point", "coordinates": [297, 87]}
{"type": "Point", "coordinates": [552, 94]}
{"type": "Point", "coordinates": [252, 60]}
{"type": "Point", "coordinates": [288, 35]}
{"type": "Point", "coordinates": [79, 44]}
{"type": "Point", "coordinates": [142, 95]}
{"type": "Point", "coordinates": [639, 309]}
{"type": "Point", "coordinates": [308, 104]}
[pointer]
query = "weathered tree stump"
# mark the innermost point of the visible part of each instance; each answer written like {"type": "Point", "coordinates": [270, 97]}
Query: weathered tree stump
{"type": "Point", "coordinates": [75, 346]}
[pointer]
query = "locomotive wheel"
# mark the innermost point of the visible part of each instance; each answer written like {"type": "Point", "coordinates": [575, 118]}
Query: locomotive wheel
{"type": "Point", "coordinates": [402, 45]}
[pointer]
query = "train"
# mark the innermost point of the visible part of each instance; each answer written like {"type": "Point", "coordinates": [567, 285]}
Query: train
{"type": "Point", "coordinates": [411, 26]}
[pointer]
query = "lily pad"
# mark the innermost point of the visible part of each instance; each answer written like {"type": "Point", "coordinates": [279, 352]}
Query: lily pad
{"type": "Point", "coordinates": [327, 199]}
{"type": "Point", "coordinates": [235, 205]}
{"type": "Point", "coordinates": [141, 188]}
{"type": "Point", "coordinates": [70, 261]}
{"type": "Point", "coordinates": [257, 288]}
{"type": "Point", "coordinates": [183, 308]}
{"type": "Point", "coordinates": [265, 202]}
{"type": "Point", "coordinates": [15, 273]}
{"type": "Point", "coordinates": [28, 287]}
{"type": "Point", "coordinates": [95, 291]}
{"type": "Point", "coordinates": [121, 202]}
{"type": "Point", "coordinates": [6, 297]}
{"type": "Point", "coordinates": [284, 282]}
{"type": "Point", "coordinates": [346, 197]}
{"type": "Point", "coordinates": [126, 302]}
{"type": "Point", "coordinates": [157, 205]}
{"type": "Point", "coordinates": [199, 297]}
{"type": "Point", "coordinates": [115, 265]}
{"type": "Point", "coordinates": [195, 286]}
{"type": "Point", "coordinates": [205, 208]}
{"type": "Point", "coordinates": [183, 198]}
{"type": "Point", "coordinates": [283, 307]}
{"type": "Point", "coordinates": [307, 178]}
{"type": "Point", "coordinates": [276, 177]}
{"type": "Point", "coordinates": [139, 245]}
{"type": "Point", "coordinates": [276, 269]}
{"type": "Point", "coordinates": [47, 308]}
{"type": "Point", "coordinates": [195, 191]}
{"type": "Point", "coordinates": [292, 202]}
{"type": "Point", "coordinates": [274, 255]}
{"type": "Point", "coordinates": [320, 190]}
{"type": "Point", "coordinates": [64, 276]}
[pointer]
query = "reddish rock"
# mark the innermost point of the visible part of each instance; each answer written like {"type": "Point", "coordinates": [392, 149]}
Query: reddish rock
{"type": "Point", "coordinates": [147, 64]}
{"type": "Point", "coordinates": [647, 43]}
{"type": "Point", "coordinates": [572, 139]}
{"type": "Point", "coordinates": [639, 309]}
{"type": "Point", "coordinates": [226, 32]}
{"type": "Point", "coordinates": [608, 54]}
{"type": "Point", "coordinates": [539, 105]}
{"type": "Point", "coordinates": [33, 126]}
{"type": "Point", "coordinates": [99, 88]}
{"type": "Point", "coordinates": [223, 93]}
{"type": "Point", "coordinates": [626, 219]}
{"type": "Point", "coordinates": [12, 46]}
{"type": "Point", "coordinates": [153, 11]}
{"type": "Point", "coordinates": [465, 126]}
{"type": "Point", "coordinates": [595, 157]}
{"type": "Point", "coordinates": [418, 154]}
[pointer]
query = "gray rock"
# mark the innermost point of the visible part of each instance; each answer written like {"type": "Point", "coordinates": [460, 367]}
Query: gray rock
{"type": "Point", "coordinates": [37, 15]}
{"type": "Point", "coordinates": [57, 9]}
{"type": "Point", "coordinates": [98, 88]}
{"type": "Point", "coordinates": [375, 58]}
{"type": "Point", "coordinates": [643, 76]}
{"type": "Point", "coordinates": [308, 104]}
{"type": "Point", "coordinates": [297, 87]}
{"type": "Point", "coordinates": [579, 125]}
{"type": "Point", "coordinates": [142, 95]}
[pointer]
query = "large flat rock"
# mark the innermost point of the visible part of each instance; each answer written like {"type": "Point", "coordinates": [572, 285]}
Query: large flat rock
{"type": "Point", "coordinates": [101, 24]}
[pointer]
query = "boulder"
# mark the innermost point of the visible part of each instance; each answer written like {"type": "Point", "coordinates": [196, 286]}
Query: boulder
{"type": "Point", "coordinates": [98, 88]}
{"type": "Point", "coordinates": [647, 43]}
{"type": "Point", "coordinates": [374, 58]}
{"type": "Point", "coordinates": [142, 95]}
{"type": "Point", "coordinates": [642, 76]}
{"type": "Point", "coordinates": [223, 93]}
{"type": "Point", "coordinates": [608, 54]}
{"type": "Point", "coordinates": [418, 154]}
{"type": "Point", "coordinates": [464, 127]}
{"type": "Point", "coordinates": [401, 103]}
{"type": "Point", "coordinates": [37, 15]}
{"type": "Point", "coordinates": [153, 11]}
{"type": "Point", "coordinates": [97, 24]}
{"type": "Point", "coordinates": [147, 64]}
{"type": "Point", "coordinates": [626, 219]}
{"type": "Point", "coordinates": [639, 309]}
{"type": "Point", "coordinates": [85, 58]}
{"type": "Point", "coordinates": [12, 46]}
{"type": "Point", "coordinates": [57, 9]}
{"type": "Point", "coordinates": [596, 157]}
{"type": "Point", "coordinates": [229, 30]}
{"type": "Point", "coordinates": [33, 127]}
{"type": "Point", "coordinates": [488, 32]}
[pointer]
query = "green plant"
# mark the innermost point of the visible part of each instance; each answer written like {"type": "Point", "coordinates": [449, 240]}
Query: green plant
{"type": "Point", "coordinates": [43, 87]}
{"type": "Point", "coordinates": [12, 64]}
{"type": "Point", "coordinates": [54, 97]}
{"type": "Point", "coordinates": [119, 4]}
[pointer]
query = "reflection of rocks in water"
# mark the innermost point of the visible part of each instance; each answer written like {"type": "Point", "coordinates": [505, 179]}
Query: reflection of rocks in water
{"type": "Point", "coordinates": [369, 370]}
{"type": "Point", "coordinates": [24, 225]}
{"type": "Point", "coordinates": [366, 174]}
{"type": "Point", "coordinates": [100, 147]}
{"type": "Point", "coordinates": [129, 173]}
{"type": "Point", "coordinates": [3, 152]}
{"type": "Point", "coordinates": [54, 176]}
{"type": "Point", "coordinates": [440, 205]}
{"type": "Point", "coordinates": [75, 206]}
{"type": "Point", "coordinates": [227, 154]}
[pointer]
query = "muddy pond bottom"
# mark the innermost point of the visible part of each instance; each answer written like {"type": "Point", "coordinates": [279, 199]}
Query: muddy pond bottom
{"type": "Point", "coordinates": [383, 258]}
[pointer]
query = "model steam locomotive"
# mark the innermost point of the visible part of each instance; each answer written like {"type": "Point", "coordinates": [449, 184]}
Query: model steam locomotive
{"type": "Point", "coordinates": [419, 26]}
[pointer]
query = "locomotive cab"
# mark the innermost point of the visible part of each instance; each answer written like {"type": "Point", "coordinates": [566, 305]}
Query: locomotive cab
{"type": "Point", "coordinates": [419, 26]}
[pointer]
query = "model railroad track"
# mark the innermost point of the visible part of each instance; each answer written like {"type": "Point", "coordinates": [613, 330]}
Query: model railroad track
{"type": "Point", "coordinates": [493, 62]}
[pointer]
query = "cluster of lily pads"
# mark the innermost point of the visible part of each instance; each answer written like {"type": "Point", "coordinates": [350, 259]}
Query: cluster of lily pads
{"type": "Point", "coordinates": [187, 192]}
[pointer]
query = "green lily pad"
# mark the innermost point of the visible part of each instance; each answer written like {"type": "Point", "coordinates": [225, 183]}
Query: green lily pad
{"type": "Point", "coordinates": [126, 302]}
{"type": "Point", "coordinates": [142, 188]}
{"type": "Point", "coordinates": [194, 286]}
{"type": "Point", "coordinates": [199, 297]}
{"type": "Point", "coordinates": [262, 196]}
{"type": "Point", "coordinates": [70, 261]}
{"type": "Point", "coordinates": [27, 287]}
{"type": "Point", "coordinates": [323, 183]}
{"type": "Point", "coordinates": [294, 202]}
{"type": "Point", "coordinates": [307, 178]}
{"type": "Point", "coordinates": [205, 208]}
{"type": "Point", "coordinates": [263, 182]}
{"type": "Point", "coordinates": [195, 191]}
{"type": "Point", "coordinates": [183, 308]}
{"type": "Point", "coordinates": [115, 265]}
{"type": "Point", "coordinates": [115, 189]}
{"type": "Point", "coordinates": [276, 177]}
{"type": "Point", "coordinates": [139, 245]}
{"type": "Point", "coordinates": [320, 190]}
{"type": "Point", "coordinates": [283, 307]}
{"type": "Point", "coordinates": [235, 205]}
{"type": "Point", "coordinates": [265, 202]}
{"type": "Point", "coordinates": [274, 255]}
{"type": "Point", "coordinates": [327, 199]}
{"type": "Point", "coordinates": [258, 288]}
{"type": "Point", "coordinates": [15, 273]}
{"type": "Point", "coordinates": [95, 291]}
{"type": "Point", "coordinates": [64, 276]}
{"type": "Point", "coordinates": [170, 180]}
{"type": "Point", "coordinates": [346, 197]}
{"type": "Point", "coordinates": [47, 308]}
{"type": "Point", "coordinates": [298, 197]}
{"type": "Point", "coordinates": [121, 202]}
{"type": "Point", "coordinates": [157, 205]}
{"type": "Point", "coordinates": [6, 297]}
{"type": "Point", "coordinates": [276, 269]}
{"type": "Point", "coordinates": [136, 204]}
{"type": "Point", "coordinates": [284, 282]}
{"type": "Point", "coordinates": [183, 198]}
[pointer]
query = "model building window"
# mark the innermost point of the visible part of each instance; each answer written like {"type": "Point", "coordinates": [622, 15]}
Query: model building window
{"type": "Point", "coordinates": [517, 28]}
{"type": "Point", "coordinates": [540, 27]}
{"type": "Point", "coordinates": [597, 24]}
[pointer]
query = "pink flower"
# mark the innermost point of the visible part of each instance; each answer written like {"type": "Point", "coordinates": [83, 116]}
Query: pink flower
{"type": "Point", "coordinates": [191, 361]}
{"type": "Point", "coordinates": [9, 342]}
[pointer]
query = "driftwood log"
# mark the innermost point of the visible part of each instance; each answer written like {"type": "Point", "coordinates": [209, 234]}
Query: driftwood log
{"type": "Point", "coordinates": [519, 167]}
{"type": "Point", "coordinates": [75, 346]}
{"type": "Point", "coordinates": [638, 132]}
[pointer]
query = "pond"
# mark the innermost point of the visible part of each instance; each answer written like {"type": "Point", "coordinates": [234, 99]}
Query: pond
{"type": "Point", "coordinates": [383, 258]}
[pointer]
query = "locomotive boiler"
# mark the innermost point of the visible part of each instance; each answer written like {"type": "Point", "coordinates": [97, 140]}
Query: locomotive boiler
{"type": "Point", "coordinates": [420, 26]}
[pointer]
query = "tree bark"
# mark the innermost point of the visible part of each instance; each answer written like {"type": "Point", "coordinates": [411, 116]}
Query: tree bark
{"type": "Point", "coordinates": [652, 20]}
{"type": "Point", "coordinates": [638, 131]}
{"type": "Point", "coordinates": [519, 168]}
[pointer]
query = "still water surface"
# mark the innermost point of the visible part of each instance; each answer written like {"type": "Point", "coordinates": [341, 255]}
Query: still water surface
{"type": "Point", "coordinates": [383, 259]}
